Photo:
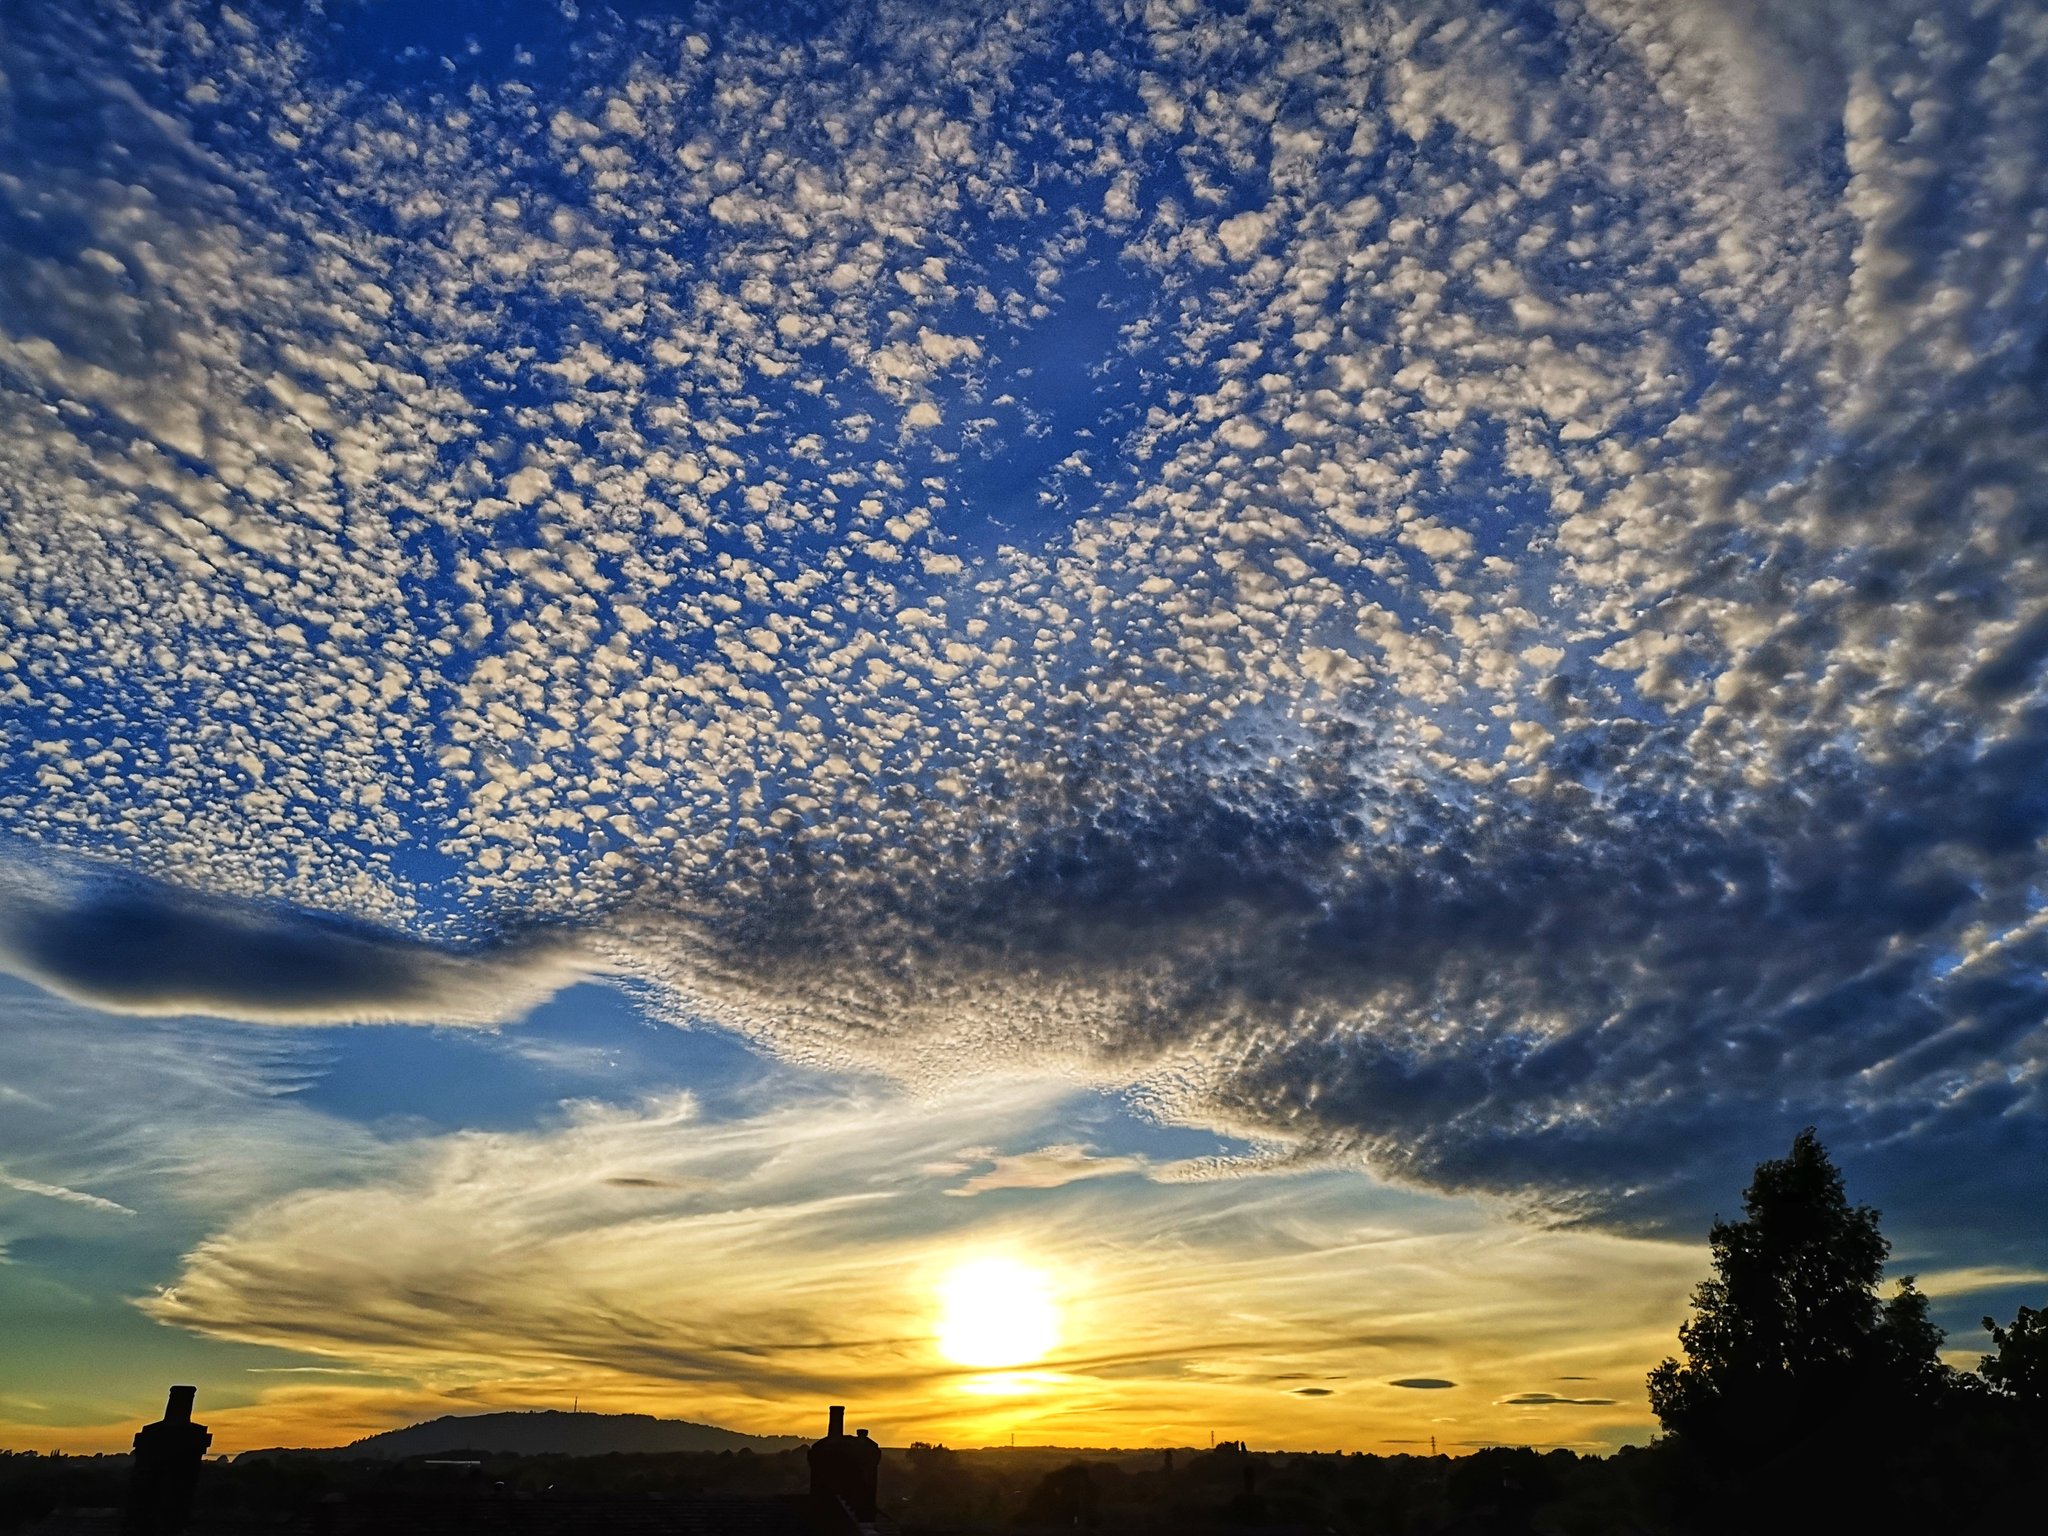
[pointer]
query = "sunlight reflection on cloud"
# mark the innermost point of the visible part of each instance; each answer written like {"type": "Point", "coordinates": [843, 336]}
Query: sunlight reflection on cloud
{"type": "Point", "coordinates": [641, 1255]}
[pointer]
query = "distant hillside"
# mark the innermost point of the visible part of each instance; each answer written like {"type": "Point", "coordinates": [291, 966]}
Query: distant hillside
{"type": "Point", "coordinates": [546, 1433]}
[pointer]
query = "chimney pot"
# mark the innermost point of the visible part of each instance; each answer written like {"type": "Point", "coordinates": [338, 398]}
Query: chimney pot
{"type": "Point", "coordinates": [838, 1421]}
{"type": "Point", "coordinates": [178, 1408]}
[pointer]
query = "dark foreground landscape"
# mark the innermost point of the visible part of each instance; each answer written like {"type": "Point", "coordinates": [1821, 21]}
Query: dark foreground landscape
{"type": "Point", "coordinates": [1977, 1477]}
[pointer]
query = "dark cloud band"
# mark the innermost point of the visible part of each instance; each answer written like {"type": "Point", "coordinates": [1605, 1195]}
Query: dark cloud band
{"type": "Point", "coordinates": [131, 947]}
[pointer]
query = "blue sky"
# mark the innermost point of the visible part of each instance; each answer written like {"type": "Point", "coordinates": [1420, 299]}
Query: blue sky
{"type": "Point", "coordinates": [1421, 620]}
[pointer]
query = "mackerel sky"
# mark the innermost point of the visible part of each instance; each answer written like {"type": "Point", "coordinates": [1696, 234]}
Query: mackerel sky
{"type": "Point", "coordinates": [1316, 664]}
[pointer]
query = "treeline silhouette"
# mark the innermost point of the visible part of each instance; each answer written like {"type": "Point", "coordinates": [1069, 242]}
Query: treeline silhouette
{"type": "Point", "coordinates": [925, 1490]}
{"type": "Point", "coordinates": [1808, 1398]}
{"type": "Point", "coordinates": [1805, 1399]}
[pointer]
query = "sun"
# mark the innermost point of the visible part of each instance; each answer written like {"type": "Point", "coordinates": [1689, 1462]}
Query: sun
{"type": "Point", "coordinates": [996, 1312]}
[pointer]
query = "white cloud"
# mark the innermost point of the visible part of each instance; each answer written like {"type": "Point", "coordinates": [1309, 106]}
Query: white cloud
{"type": "Point", "coordinates": [1242, 234]}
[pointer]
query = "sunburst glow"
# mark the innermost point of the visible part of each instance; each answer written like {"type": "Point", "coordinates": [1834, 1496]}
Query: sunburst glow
{"type": "Point", "coordinates": [996, 1312]}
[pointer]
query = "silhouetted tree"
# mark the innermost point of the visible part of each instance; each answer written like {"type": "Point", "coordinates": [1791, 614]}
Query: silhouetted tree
{"type": "Point", "coordinates": [1064, 1497]}
{"type": "Point", "coordinates": [2018, 1367]}
{"type": "Point", "coordinates": [1790, 1333]}
{"type": "Point", "coordinates": [1908, 1360]}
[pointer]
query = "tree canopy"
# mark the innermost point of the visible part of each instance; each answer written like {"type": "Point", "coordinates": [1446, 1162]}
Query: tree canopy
{"type": "Point", "coordinates": [1791, 1331]}
{"type": "Point", "coordinates": [2018, 1366]}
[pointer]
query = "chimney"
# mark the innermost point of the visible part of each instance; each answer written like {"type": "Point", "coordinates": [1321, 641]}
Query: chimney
{"type": "Point", "coordinates": [838, 1420]}
{"type": "Point", "coordinates": [165, 1469]}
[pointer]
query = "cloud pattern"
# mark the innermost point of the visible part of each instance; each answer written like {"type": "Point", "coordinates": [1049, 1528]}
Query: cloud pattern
{"type": "Point", "coordinates": [647, 1254]}
{"type": "Point", "coordinates": [1455, 586]}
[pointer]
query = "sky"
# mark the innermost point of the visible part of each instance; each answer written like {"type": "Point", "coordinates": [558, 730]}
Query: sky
{"type": "Point", "coordinates": [1301, 671]}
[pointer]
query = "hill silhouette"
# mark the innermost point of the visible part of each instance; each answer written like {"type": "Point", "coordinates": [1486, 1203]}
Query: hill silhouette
{"type": "Point", "coordinates": [548, 1432]}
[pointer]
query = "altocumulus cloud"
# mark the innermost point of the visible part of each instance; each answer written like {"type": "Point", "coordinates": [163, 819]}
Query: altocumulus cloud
{"type": "Point", "coordinates": [1531, 678]}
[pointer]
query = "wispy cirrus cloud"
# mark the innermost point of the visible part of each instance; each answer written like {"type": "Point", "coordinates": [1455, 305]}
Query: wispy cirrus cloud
{"type": "Point", "coordinates": [171, 1125]}
{"type": "Point", "coordinates": [641, 1255]}
{"type": "Point", "coordinates": [15, 1181]}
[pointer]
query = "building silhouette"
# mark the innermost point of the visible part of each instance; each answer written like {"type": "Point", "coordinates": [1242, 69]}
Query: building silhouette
{"type": "Point", "coordinates": [845, 1471]}
{"type": "Point", "coordinates": [166, 1469]}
